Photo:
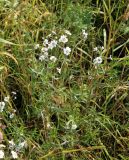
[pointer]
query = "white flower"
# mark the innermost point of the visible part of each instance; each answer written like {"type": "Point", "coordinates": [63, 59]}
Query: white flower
{"type": "Point", "coordinates": [85, 34]}
{"type": "Point", "coordinates": [59, 70]}
{"type": "Point", "coordinates": [11, 115]}
{"type": "Point", "coordinates": [67, 125]}
{"type": "Point", "coordinates": [11, 144]}
{"type": "Point", "coordinates": [15, 97]}
{"type": "Point", "coordinates": [2, 146]}
{"type": "Point", "coordinates": [71, 125]}
{"type": "Point", "coordinates": [13, 92]}
{"type": "Point", "coordinates": [44, 49]}
{"type": "Point", "coordinates": [14, 155]}
{"type": "Point", "coordinates": [74, 126]}
{"type": "Point", "coordinates": [68, 32]}
{"type": "Point", "coordinates": [52, 44]}
{"type": "Point", "coordinates": [102, 47]}
{"type": "Point", "coordinates": [44, 56]}
{"type": "Point", "coordinates": [2, 105]}
{"type": "Point", "coordinates": [110, 57]}
{"type": "Point", "coordinates": [67, 51]}
{"type": "Point", "coordinates": [45, 42]}
{"type": "Point", "coordinates": [63, 39]}
{"type": "Point", "coordinates": [1, 154]}
{"type": "Point", "coordinates": [6, 99]}
{"type": "Point", "coordinates": [14, 110]}
{"type": "Point", "coordinates": [97, 60]}
{"type": "Point", "coordinates": [95, 49]}
{"type": "Point", "coordinates": [53, 58]}
{"type": "Point", "coordinates": [36, 46]}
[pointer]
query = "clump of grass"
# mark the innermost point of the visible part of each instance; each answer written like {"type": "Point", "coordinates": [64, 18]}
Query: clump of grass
{"type": "Point", "coordinates": [64, 80]}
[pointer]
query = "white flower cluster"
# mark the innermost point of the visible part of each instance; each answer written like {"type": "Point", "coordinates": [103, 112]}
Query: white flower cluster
{"type": "Point", "coordinates": [49, 45]}
{"type": "Point", "coordinates": [98, 49]}
{"type": "Point", "coordinates": [18, 146]}
{"type": "Point", "coordinates": [52, 44]}
{"type": "Point", "coordinates": [14, 149]}
{"type": "Point", "coordinates": [3, 103]}
{"type": "Point", "coordinates": [43, 56]}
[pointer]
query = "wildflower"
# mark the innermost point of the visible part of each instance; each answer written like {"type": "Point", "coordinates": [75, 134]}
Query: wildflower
{"type": "Point", "coordinates": [14, 155]}
{"type": "Point", "coordinates": [110, 57]}
{"type": "Point", "coordinates": [85, 34]}
{"type": "Point", "coordinates": [11, 115]}
{"type": "Point", "coordinates": [6, 99]}
{"type": "Point", "coordinates": [2, 146]}
{"type": "Point", "coordinates": [97, 60]}
{"type": "Point", "coordinates": [44, 56]}
{"type": "Point", "coordinates": [2, 105]}
{"type": "Point", "coordinates": [71, 125]}
{"type": "Point", "coordinates": [102, 47]}
{"type": "Point", "coordinates": [44, 49]}
{"type": "Point", "coordinates": [59, 70]}
{"type": "Point", "coordinates": [63, 39]}
{"type": "Point", "coordinates": [1, 154]}
{"type": "Point", "coordinates": [15, 97]}
{"type": "Point", "coordinates": [36, 46]}
{"type": "Point", "coordinates": [95, 49]}
{"type": "Point", "coordinates": [53, 58]}
{"type": "Point", "coordinates": [67, 51]}
{"type": "Point", "coordinates": [74, 126]}
{"type": "Point", "coordinates": [45, 42]}
{"type": "Point", "coordinates": [13, 92]}
{"type": "Point", "coordinates": [52, 44]}
{"type": "Point", "coordinates": [11, 144]}
{"type": "Point", "coordinates": [68, 32]}
{"type": "Point", "coordinates": [14, 110]}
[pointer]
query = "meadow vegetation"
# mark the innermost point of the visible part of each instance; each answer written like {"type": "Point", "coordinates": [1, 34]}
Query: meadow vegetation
{"type": "Point", "coordinates": [64, 86]}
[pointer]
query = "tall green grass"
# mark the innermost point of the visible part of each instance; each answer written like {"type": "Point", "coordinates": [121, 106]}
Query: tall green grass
{"type": "Point", "coordinates": [64, 106]}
